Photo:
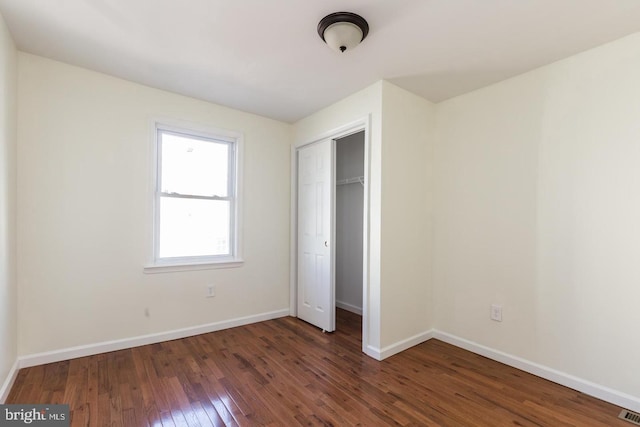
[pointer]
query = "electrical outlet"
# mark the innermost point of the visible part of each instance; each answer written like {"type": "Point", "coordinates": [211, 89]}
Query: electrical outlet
{"type": "Point", "coordinates": [211, 291]}
{"type": "Point", "coordinates": [496, 312]}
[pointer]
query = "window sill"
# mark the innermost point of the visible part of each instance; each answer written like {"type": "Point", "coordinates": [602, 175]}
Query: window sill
{"type": "Point", "coordinates": [191, 266]}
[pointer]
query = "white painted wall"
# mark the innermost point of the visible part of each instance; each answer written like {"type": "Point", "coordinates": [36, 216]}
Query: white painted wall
{"type": "Point", "coordinates": [349, 222]}
{"type": "Point", "coordinates": [537, 208]}
{"type": "Point", "coordinates": [366, 103]}
{"type": "Point", "coordinates": [84, 212]}
{"type": "Point", "coordinates": [407, 209]}
{"type": "Point", "coordinates": [8, 290]}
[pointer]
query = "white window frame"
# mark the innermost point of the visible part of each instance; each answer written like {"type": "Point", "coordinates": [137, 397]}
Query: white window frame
{"type": "Point", "coordinates": [235, 141]}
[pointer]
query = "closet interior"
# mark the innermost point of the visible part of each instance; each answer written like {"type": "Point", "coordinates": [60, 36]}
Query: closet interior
{"type": "Point", "coordinates": [349, 222]}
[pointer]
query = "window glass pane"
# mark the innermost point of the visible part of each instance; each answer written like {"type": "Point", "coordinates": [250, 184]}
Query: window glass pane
{"type": "Point", "coordinates": [194, 166]}
{"type": "Point", "coordinates": [194, 227]}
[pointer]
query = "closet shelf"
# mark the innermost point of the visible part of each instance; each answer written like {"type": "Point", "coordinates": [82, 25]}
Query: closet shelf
{"type": "Point", "coordinates": [353, 180]}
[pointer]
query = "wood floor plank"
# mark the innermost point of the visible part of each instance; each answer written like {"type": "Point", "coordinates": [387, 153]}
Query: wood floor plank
{"type": "Point", "coordinates": [285, 372]}
{"type": "Point", "coordinates": [92, 390]}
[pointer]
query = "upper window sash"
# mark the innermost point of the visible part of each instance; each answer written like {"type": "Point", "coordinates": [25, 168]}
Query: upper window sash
{"type": "Point", "coordinates": [228, 143]}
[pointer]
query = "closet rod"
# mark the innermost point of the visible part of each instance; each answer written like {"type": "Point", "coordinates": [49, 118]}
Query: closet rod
{"type": "Point", "coordinates": [353, 180]}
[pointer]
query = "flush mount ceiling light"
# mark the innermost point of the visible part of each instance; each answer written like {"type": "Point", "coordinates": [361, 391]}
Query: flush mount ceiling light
{"type": "Point", "coordinates": [343, 31]}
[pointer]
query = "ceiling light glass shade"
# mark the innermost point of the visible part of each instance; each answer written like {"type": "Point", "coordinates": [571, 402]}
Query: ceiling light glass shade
{"type": "Point", "coordinates": [343, 31]}
{"type": "Point", "coordinates": [343, 36]}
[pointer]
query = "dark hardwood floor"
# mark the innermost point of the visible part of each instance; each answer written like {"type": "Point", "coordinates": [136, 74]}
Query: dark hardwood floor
{"type": "Point", "coordinates": [285, 372]}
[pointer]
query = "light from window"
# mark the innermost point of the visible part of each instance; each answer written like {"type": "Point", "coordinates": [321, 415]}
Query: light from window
{"type": "Point", "coordinates": [195, 196]}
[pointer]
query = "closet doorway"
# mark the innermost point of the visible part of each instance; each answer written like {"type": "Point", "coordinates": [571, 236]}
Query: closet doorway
{"type": "Point", "coordinates": [331, 229]}
{"type": "Point", "coordinates": [349, 220]}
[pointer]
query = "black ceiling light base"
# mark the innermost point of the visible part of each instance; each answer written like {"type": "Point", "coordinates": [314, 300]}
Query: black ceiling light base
{"type": "Point", "coordinates": [342, 18]}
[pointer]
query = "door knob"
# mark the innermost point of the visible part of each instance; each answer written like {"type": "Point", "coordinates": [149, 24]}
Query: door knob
{"type": "Point", "coordinates": [326, 243]}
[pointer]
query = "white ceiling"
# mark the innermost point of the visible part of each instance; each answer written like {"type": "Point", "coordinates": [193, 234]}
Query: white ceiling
{"type": "Point", "coordinates": [265, 57]}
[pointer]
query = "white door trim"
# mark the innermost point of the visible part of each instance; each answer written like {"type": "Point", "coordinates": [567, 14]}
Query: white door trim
{"type": "Point", "coordinates": [363, 124]}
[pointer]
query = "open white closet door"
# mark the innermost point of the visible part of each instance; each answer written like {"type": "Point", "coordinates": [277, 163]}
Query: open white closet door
{"type": "Point", "coordinates": [316, 293]}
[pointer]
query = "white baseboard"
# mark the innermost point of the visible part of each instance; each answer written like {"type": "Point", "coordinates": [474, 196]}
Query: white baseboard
{"type": "Point", "coordinates": [8, 383]}
{"type": "Point", "coordinates": [104, 347]}
{"type": "Point", "coordinates": [596, 390]}
{"type": "Point", "coordinates": [390, 350]}
{"type": "Point", "coordinates": [373, 352]}
{"type": "Point", "coordinates": [349, 307]}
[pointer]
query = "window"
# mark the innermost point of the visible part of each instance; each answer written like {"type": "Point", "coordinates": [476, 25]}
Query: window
{"type": "Point", "coordinates": [195, 202]}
